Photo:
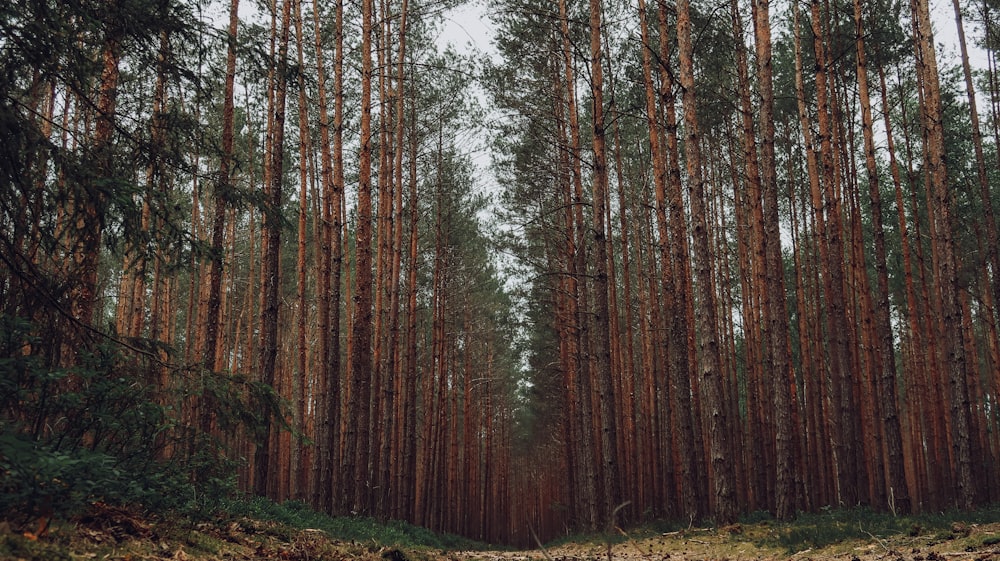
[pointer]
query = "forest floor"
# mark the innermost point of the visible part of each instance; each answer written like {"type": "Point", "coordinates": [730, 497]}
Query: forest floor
{"type": "Point", "coordinates": [761, 541]}
{"type": "Point", "coordinates": [115, 534]}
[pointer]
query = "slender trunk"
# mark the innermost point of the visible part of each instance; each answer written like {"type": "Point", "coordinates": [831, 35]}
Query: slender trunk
{"type": "Point", "coordinates": [272, 253]}
{"type": "Point", "coordinates": [675, 260]}
{"type": "Point", "coordinates": [337, 265]}
{"type": "Point", "coordinates": [826, 207]}
{"type": "Point", "coordinates": [625, 363]}
{"type": "Point", "coordinates": [603, 383]}
{"type": "Point", "coordinates": [710, 369]}
{"type": "Point", "coordinates": [89, 203]}
{"type": "Point", "coordinates": [886, 378]}
{"type": "Point", "coordinates": [564, 296]}
{"type": "Point", "coordinates": [382, 221]}
{"type": "Point", "coordinates": [400, 374]}
{"type": "Point", "coordinates": [579, 301]}
{"type": "Point", "coordinates": [212, 357]}
{"type": "Point", "coordinates": [942, 244]}
{"type": "Point", "coordinates": [409, 466]}
{"type": "Point", "coordinates": [361, 353]}
{"type": "Point", "coordinates": [646, 418]}
{"type": "Point", "coordinates": [751, 251]}
{"type": "Point", "coordinates": [990, 243]}
{"type": "Point", "coordinates": [328, 306]}
{"type": "Point", "coordinates": [301, 372]}
{"type": "Point", "coordinates": [789, 455]}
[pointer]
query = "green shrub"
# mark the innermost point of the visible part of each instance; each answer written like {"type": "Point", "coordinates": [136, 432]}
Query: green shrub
{"type": "Point", "coordinates": [97, 431]}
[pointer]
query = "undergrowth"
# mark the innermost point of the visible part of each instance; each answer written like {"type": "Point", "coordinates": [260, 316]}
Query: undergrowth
{"type": "Point", "coordinates": [828, 527]}
{"type": "Point", "coordinates": [392, 533]}
{"type": "Point", "coordinates": [102, 430]}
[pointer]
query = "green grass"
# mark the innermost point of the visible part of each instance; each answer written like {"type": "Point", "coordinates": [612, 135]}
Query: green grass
{"type": "Point", "coordinates": [392, 533]}
{"type": "Point", "coordinates": [828, 527]}
{"type": "Point", "coordinates": [835, 526]}
{"type": "Point", "coordinates": [13, 546]}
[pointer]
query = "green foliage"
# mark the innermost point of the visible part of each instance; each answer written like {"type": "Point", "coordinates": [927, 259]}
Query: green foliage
{"type": "Point", "coordinates": [393, 533]}
{"type": "Point", "coordinates": [13, 546]}
{"type": "Point", "coordinates": [37, 476]}
{"type": "Point", "coordinates": [756, 517]}
{"type": "Point", "coordinates": [817, 530]}
{"type": "Point", "coordinates": [95, 432]}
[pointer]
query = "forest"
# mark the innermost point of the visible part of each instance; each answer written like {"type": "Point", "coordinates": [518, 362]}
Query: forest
{"type": "Point", "coordinates": [726, 257]}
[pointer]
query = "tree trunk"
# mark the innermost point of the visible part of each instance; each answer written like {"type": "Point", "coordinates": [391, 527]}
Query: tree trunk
{"type": "Point", "coordinates": [271, 256]}
{"type": "Point", "coordinates": [942, 244]}
{"type": "Point", "coordinates": [886, 378]}
{"type": "Point", "coordinates": [577, 288]}
{"type": "Point", "coordinates": [223, 185]}
{"type": "Point", "coordinates": [609, 480]}
{"type": "Point", "coordinates": [302, 373]}
{"type": "Point", "coordinates": [89, 204]}
{"type": "Point", "coordinates": [710, 370]}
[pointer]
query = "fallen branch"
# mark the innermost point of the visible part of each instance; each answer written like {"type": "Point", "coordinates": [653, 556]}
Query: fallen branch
{"type": "Point", "coordinates": [545, 552]}
{"type": "Point", "coordinates": [612, 526]}
{"type": "Point", "coordinates": [879, 540]}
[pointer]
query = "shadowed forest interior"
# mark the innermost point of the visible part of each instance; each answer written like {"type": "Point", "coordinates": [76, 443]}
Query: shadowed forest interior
{"type": "Point", "coordinates": [636, 260]}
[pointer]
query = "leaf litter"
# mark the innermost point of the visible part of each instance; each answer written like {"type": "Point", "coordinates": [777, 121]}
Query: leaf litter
{"type": "Point", "coordinates": [115, 533]}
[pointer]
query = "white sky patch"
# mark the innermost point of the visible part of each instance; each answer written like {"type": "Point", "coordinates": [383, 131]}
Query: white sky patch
{"type": "Point", "coordinates": [468, 29]}
{"type": "Point", "coordinates": [946, 35]}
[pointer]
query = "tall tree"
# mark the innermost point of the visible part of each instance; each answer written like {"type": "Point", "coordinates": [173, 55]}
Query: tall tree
{"type": "Point", "coordinates": [361, 329]}
{"type": "Point", "coordinates": [223, 188]}
{"type": "Point", "coordinates": [91, 199]}
{"type": "Point", "coordinates": [328, 306]}
{"type": "Point", "coordinates": [602, 352]}
{"type": "Point", "coordinates": [886, 381]}
{"type": "Point", "coordinates": [947, 287]}
{"type": "Point", "coordinates": [785, 400]}
{"type": "Point", "coordinates": [271, 259]}
{"type": "Point", "coordinates": [709, 367]}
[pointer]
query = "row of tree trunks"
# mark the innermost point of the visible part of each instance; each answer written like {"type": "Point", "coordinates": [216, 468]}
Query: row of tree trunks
{"type": "Point", "coordinates": [241, 292]}
{"type": "Point", "coordinates": [753, 330]}
{"type": "Point", "coordinates": [827, 387]}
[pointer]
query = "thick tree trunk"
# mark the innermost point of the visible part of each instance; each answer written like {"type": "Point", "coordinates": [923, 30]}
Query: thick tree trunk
{"type": "Point", "coordinates": [785, 402]}
{"type": "Point", "coordinates": [675, 275]}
